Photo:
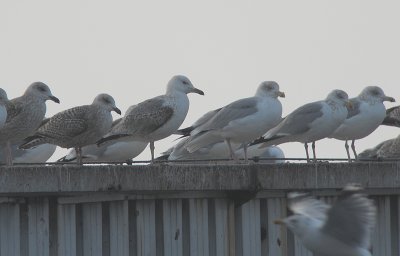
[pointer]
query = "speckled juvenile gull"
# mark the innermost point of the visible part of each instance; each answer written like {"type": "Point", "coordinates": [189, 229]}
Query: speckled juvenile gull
{"type": "Point", "coordinates": [3, 109]}
{"type": "Point", "coordinates": [116, 151]}
{"type": "Point", "coordinates": [76, 127]}
{"type": "Point", "coordinates": [392, 117]}
{"type": "Point", "coordinates": [365, 115]}
{"type": "Point", "coordinates": [24, 115]}
{"type": "Point", "coordinates": [241, 121]}
{"type": "Point", "coordinates": [343, 229]}
{"type": "Point", "coordinates": [386, 150]}
{"type": "Point", "coordinates": [309, 123]}
{"type": "Point", "coordinates": [156, 118]}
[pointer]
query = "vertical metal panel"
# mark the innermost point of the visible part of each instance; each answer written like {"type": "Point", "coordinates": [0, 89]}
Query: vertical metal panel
{"type": "Point", "coordinates": [92, 229]}
{"type": "Point", "coordinates": [66, 230]}
{"type": "Point", "coordinates": [38, 226]}
{"type": "Point", "coordinates": [146, 230]}
{"type": "Point", "coordinates": [172, 227]}
{"type": "Point", "coordinates": [221, 227]}
{"type": "Point", "coordinates": [10, 229]}
{"type": "Point", "coordinates": [251, 228]}
{"type": "Point", "coordinates": [276, 233]}
{"type": "Point", "coordinates": [198, 209]}
{"type": "Point", "coordinates": [380, 240]}
{"type": "Point", "coordinates": [119, 228]}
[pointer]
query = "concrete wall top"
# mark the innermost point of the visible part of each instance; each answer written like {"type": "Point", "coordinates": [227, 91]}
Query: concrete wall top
{"type": "Point", "coordinates": [59, 179]}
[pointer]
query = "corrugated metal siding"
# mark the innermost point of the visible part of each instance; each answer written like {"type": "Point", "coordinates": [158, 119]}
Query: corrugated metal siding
{"type": "Point", "coordinates": [179, 226]}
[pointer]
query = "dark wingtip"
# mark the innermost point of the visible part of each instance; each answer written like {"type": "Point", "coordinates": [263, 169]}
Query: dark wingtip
{"type": "Point", "coordinates": [111, 137]}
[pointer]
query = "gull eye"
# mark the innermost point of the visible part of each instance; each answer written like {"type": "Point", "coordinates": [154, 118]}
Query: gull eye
{"type": "Point", "coordinates": [185, 82]}
{"type": "Point", "coordinates": [42, 89]}
{"type": "Point", "coordinates": [375, 92]}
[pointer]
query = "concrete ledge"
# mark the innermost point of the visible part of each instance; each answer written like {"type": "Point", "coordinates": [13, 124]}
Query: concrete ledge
{"type": "Point", "coordinates": [205, 177]}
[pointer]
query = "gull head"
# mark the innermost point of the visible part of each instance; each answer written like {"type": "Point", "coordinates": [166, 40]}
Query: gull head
{"type": "Point", "coordinates": [269, 89]}
{"type": "Point", "coordinates": [298, 224]}
{"type": "Point", "coordinates": [339, 97]}
{"type": "Point", "coordinates": [42, 91]}
{"type": "Point", "coordinates": [3, 96]}
{"type": "Point", "coordinates": [107, 101]}
{"type": "Point", "coordinates": [182, 84]}
{"type": "Point", "coordinates": [374, 94]}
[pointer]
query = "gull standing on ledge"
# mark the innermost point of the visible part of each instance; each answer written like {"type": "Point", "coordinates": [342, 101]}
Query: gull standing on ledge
{"type": "Point", "coordinates": [309, 123]}
{"type": "Point", "coordinates": [365, 115]}
{"type": "Point", "coordinates": [156, 118]}
{"type": "Point", "coordinates": [241, 121]}
{"type": "Point", "coordinates": [116, 151]}
{"type": "Point", "coordinates": [76, 127]}
{"type": "Point", "coordinates": [343, 229]}
{"type": "Point", "coordinates": [24, 115]}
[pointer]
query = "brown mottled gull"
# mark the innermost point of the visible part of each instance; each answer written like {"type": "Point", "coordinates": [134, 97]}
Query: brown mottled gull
{"type": "Point", "coordinates": [156, 118]}
{"type": "Point", "coordinates": [24, 115]}
{"type": "Point", "coordinates": [386, 150]}
{"type": "Point", "coordinates": [115, 151]}
{"type": "Point", "coordinates": [392, 117]}
{"type": "Point", "coordinates": [76, 127]}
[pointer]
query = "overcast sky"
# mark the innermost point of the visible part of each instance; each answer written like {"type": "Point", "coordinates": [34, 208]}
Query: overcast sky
{"type": "Point", "coordinates": [130, 49]}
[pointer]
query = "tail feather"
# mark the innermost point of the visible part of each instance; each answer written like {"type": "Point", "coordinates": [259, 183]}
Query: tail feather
{"type": "Point", "coordinates": [110, 138]}
{"type": "Point", "coordinates": [33, 141]}
{"type": "Point", "coordinates": [185, 131]}
{"type": "Point", "coordinates": [267, 142]}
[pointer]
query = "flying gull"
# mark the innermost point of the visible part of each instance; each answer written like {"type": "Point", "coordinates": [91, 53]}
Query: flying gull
{"type": "Point", "coordinates": [365, 115]}
{"type": "Point", "coordinates": [24, 115]}
{"type": "Point", "coordinates": [392, 117]}
{"type": "Point", "coordinates": [116, 151]}
{"type": "Point", "coordinates": [242, 121]}
{"type": "Point", "coordinates": [156, 118]}
{"type": "Point", "coordinates": [76, 127]}
{"type": "Point", "coordinates": [309, 123]}
{"type": "Point", "coordinates": [343, 229]}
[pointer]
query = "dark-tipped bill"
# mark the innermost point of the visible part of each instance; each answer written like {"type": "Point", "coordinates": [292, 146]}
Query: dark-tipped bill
{"type": "Point", "coordinates": [117, 110]}
{"type": "Point", "coordinates": [54, 98]}
{"type": "Point", "coordinates": [198, 91]}
{"type": "Point", "coordinates": [387, 98]}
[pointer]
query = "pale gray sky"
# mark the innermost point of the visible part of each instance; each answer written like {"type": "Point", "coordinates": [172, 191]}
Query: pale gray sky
{"type": "Point", "coordinates": [130, 49]}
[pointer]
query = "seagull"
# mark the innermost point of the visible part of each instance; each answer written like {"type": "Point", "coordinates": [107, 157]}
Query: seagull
{"type": "Point", "coordinates": [156, 118]}
{"type": "Point", "coordinates": [309, 123]}
{"type": "Point", "coordinates": [36, 155]}
{"type": "Point", "coordinates": [3, 109]}
{"type": "Point", "coordinates": [343, 229]}
{"type": "Point", "coordinates": [392, 117]}
{"type": "Point", "coordinates": [116, 151]}
{"type": "Point", "coordinates": [365, 115]}
{"type": "Point", "coordinates": [242, 121]}
{"type": "Point", "coordinates": [24, 115]}
{"type": "Point", "coordinates": [76, 127]}
{"type": "Point", "coordinates": [386, 150]}
{"type": "Point", "coordinates": [219, 150]}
